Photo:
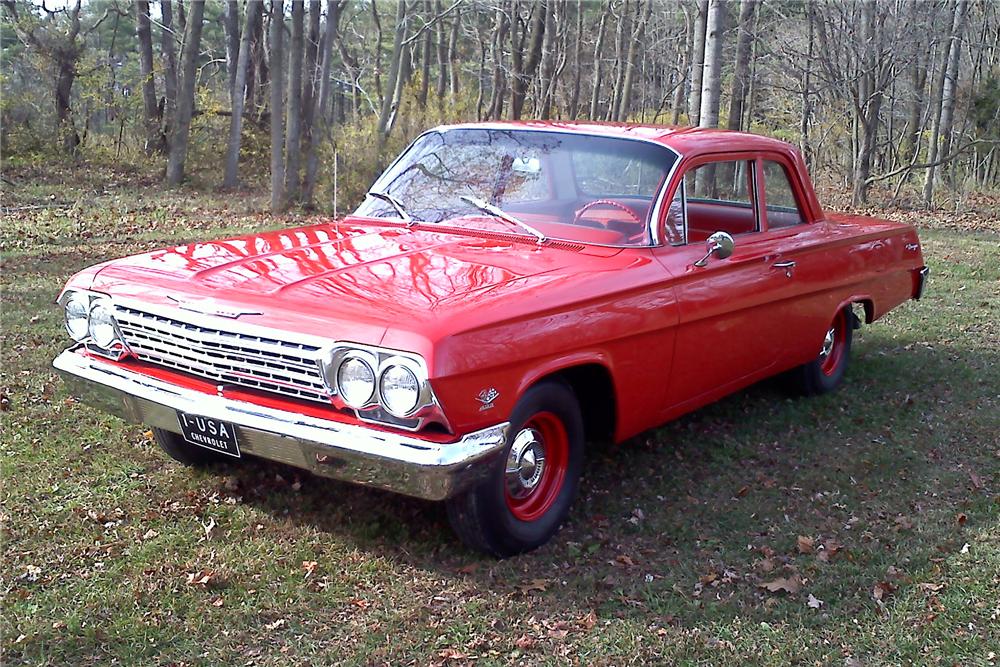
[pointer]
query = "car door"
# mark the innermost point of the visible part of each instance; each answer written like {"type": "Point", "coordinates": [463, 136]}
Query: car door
{"type": "Point", "coordinates": [728, 328]}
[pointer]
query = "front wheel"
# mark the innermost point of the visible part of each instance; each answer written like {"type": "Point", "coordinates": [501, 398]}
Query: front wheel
{"type": "Point", "coordinates": [825, 373]}
{"type": "Point", "coordinates": [527, 494]}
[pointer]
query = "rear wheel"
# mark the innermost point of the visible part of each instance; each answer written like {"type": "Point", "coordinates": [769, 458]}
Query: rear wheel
{"type": "Point", "coordinates": [825, 373]}
{"type": "Point", "coordinates": [527, 494]}
{"type": "Point", "coordinates": [183, 451]}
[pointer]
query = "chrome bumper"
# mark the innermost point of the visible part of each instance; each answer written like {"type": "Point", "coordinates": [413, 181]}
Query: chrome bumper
{"type": "Point", "coordinates": [397, 462]}
{"type": "Point", "coordinates": [922, 274]}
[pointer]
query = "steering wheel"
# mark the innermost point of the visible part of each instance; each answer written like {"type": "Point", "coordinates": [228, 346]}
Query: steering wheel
{"type": "Point", "coordinates": [628, 210]}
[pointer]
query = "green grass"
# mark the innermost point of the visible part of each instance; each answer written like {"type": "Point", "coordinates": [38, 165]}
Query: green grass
{"type": "Point", "coordinates": [662, 558]}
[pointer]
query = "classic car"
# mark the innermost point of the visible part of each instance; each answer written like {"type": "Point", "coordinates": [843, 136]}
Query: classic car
{"type": "Point", "coordinates": [505, 293]}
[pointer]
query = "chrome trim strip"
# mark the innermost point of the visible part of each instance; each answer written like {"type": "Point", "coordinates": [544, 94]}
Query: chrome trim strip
{"type": "Point", "coordinates": [398, 462]}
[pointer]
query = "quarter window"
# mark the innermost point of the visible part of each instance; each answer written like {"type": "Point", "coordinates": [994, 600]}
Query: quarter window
{"type": "Point", "coordinates": [782, 209]}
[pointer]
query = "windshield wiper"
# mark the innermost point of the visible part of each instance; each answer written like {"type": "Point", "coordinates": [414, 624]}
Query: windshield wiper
{"type": "Point", "coordinates": [503, 215]}
{"type": "Point", "coordinates": [396, 204]}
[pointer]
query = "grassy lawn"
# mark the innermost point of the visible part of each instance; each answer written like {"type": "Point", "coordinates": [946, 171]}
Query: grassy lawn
{"type": "Point", "coordinates": [873, 513]}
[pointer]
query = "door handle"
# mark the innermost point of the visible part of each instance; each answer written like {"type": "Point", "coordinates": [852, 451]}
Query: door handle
{"type": "Point", "coordinates": [787, 266]}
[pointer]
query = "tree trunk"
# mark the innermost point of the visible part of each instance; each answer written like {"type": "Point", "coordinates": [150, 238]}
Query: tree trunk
{"type": "Point", "coordinates": [321, 101]}
{"type": "Point", "coordinates": [276, 39]}
{"type": "Point", "coordinates": [633, 50]}
{"type": "Point", "coordinates": [806, 106]}
{"type": "Point", "coordinates": [574, 103]}
{"type": "Point", "coordinates": [595, 95]}
{"type": "Point", "coordinates": [293, 134]}
{"type": "Point", "coordinates": [310, 77]}
{"type": "Point", "coordinates": [167, 41]}
{"type": "Point", "coordinates": [395, 69]}
{"type": "Point", "coordinates": [712, 83]}
{"type": "Point", "coordinates": [231, 179]}
{"type": "Point", "coordinates": [741, 73]}
{"type": "Point", "coordinates": [150, 110]}
{"type": "Point", "coordinates": [698, 63]}
{"type": "Point", "coordinates": [526, 66]}
{"type": "Point", "coordinates": [951, 83]}
{"type": "Point", "coordinates": [499, 83]}
{"type": "Point", "coordinates": [453, 64]}
{"type": "Point", "coordinates": [945, 106]}
{"type": "Point", "coordinates": [185, 100]}
{"type": "Point", "coordinates": [683, 64]}
{"type": "Point", "coordinates": [231, 26]}
{"type": "Point", "coordinates": [441, 41]}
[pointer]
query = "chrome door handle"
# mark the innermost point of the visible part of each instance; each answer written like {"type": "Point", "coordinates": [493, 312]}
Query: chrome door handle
{"type": "Point", "coordinates": [787, 266]}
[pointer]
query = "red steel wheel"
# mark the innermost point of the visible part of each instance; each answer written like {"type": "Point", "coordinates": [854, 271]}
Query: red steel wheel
{"type": "Point", "coordinates": [536, 466]}
{"type": "Point", "coordinates": [834, 345]}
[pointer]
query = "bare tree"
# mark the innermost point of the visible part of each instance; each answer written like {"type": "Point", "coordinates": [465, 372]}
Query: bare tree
{"type": "Point", "coordinates": [150, 110]}
{"type": "Point", "coordinates": [633, 49]}
{"type": "Point", "coordinates": [525, 63]}
{"type": "Point", "coordinates": [698, 62]}
{"type": "Point", "coordinates": [711, 85]}
{"type": "Point", "coordinates": [168, 41]}
{"type": "Point", "coordinates": [293, 134]}
{"type": "Point", "coordinates": [321, 101]}
{"type": "Point", "coordinates": [741, 73]}
{"type": "Point", "coordinates": [276, 39]}
{"type": "Point", "coordinates": [940, 141]}
{"type": "Point", "coordinates": [238, 94]}
{"type": "Point", "coordinates": [185, 98]}
{"type": "Point", "coordinates": [595, 96]}
{"type": "Point", "coordinates": [231, 27]}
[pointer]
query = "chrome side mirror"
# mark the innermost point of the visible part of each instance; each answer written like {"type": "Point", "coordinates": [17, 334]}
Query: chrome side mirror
{"type": "Point", "coordinates": [719, 244]}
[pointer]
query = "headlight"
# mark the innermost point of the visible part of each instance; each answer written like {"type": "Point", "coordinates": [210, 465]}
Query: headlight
{"type": "Point", "coordinates": [400, 390]}
{"type": "Point", "coordinates": [355, 382]}
{"type": "Point", "coordinates": [77, 307]}
{"type": "Point", "coordinates": [102, 326]}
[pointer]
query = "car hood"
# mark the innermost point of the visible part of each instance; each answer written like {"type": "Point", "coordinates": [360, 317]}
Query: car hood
{"type": "Point", "coordinates": [350, 280]}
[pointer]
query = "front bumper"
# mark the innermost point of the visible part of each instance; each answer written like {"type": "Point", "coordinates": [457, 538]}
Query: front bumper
{"type": "Point", "coordinates": [398, 462]}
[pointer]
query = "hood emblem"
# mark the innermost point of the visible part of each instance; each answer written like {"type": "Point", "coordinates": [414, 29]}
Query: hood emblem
{"type": "Point", "coordinates": [207, 307]}
{"type": "Point", "coordinates": [486, 397]}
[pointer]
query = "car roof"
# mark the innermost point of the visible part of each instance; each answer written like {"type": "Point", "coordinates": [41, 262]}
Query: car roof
{"type": "Point", "coordinates": [684, 140]}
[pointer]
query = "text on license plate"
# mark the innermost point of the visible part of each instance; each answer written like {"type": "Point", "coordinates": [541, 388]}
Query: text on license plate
{"type": "Point", "coordinates": [214, 434]}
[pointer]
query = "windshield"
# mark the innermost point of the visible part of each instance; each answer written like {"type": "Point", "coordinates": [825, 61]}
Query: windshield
{"type": "Point", "coordinates": [565, 186]}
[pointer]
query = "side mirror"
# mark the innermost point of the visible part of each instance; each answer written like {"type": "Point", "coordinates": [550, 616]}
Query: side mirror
{"type": "Point", "coordinates": [720, 244]}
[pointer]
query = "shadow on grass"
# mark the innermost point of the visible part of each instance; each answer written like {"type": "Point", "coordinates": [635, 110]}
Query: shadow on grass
{"type": "Point", "coordinates": [708, 498]}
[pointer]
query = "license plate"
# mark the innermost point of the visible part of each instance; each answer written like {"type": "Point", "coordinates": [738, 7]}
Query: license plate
{"type": "Point", "coordinates": [214, 434]}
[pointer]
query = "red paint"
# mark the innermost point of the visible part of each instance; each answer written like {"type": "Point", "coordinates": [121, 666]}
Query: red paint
{"type": "Point", "coordinates": [556, 446]}
{"type": "Point", "coordinates": [493, 309]}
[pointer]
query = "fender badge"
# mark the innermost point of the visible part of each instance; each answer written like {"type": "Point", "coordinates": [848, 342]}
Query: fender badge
{"type": "Point", "coordinates": [486, 397]}
{"type": "Point", "coordinates": [207, 307]}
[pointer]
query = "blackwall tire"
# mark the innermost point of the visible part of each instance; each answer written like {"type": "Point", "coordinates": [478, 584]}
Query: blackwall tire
{"type": "Point", "coordinates": [527, 495]}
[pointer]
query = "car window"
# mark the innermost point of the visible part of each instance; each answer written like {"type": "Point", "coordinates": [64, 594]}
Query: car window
{"type": "Point", "coordinates": [611, 174]}
{"type": "Point", "coordinates": [782, 209]}
{"type": "Point", "coordinates": [719, 197]}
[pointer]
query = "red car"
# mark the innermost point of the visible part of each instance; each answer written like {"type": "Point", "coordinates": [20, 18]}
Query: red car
{"type": "Point", "coordinates": [505, 293]}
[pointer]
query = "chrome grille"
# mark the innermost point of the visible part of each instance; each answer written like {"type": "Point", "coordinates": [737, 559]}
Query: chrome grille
{"type": "Point", "coordinates": [268, 364]}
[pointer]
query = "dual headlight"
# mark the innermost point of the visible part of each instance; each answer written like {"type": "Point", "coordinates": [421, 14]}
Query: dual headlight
{"type": "Point", "coordinates": [365, 379]}
{"type": "Point", "coordinates": [89, 317]}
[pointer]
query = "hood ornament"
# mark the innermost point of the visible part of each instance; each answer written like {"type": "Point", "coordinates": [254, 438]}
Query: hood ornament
{"type": "Point", "coordinates": [208, 307]}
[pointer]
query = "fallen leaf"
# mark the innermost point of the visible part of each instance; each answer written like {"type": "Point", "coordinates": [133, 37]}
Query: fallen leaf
{"type": "Point", "coordinates": [708, 578]}
{"type": "Point", "coordinates": [743, 491]}
{"type": "Point", "coordinates": [903, 523]}
{"type": "Point", "coordinates": [792, 584]}
{"type": "Point", "coordinates": [275, 625]}
{"type": "Point", "coordinates": [965, 548]}
{"type": "Point", "coordinates": [539, 585]}
{"type": "Point", "coordinates": [933, 588]}
{"type": "Point", "coordinates": [209, 528]}
{"type": "Point", "coordinates": [977, 481]}
{"type": "Point", "coordinates": [217, 602]}
{"type": "Point", "coordinates": [452, 654]}
{"type": "Point", "coordinates": [200, 578]}
{"type": "Point", "coordinates": [814, 601]}
{"type": "Point", "coordinates": [961, 518]}
{"type": "Point", "coordinates": [882, 590]}
{"type": "Point", "coordinates": [149, 534]}
{"type": "Point", "coordinates": [624, 559]}
{"type": "Point", "coordinates": [588, 621]}
{"type": "Point", "coordinates": [804, 544]}
{"type": "Point", "coordinates": [766, 564]}
{"type": "Point", "coordinates": [310, 567]}
{"type": "Point", "coordinates": [360, 603]}
{"type": "Point", "coordinates": [829, 549]}
{"type": "Point", "coordinates": [524, 642]}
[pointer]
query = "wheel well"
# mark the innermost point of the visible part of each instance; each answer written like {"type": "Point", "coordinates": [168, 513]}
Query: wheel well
{"type": "Point", "coordinates": [595, 391]}
{"type": "Point", "coordinates": [869, 307]}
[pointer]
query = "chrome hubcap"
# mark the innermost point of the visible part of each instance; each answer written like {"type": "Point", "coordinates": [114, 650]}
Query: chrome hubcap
{"type": "Point", "coordinates": [828, 344]}
{"type": "Point", "coordinates": [525, 463]}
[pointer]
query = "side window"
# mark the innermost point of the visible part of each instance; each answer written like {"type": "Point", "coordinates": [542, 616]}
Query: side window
{"type": "Point", "coordinates": [719, 197]}
{"type": "Point", "coordinates": [782, 209]}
